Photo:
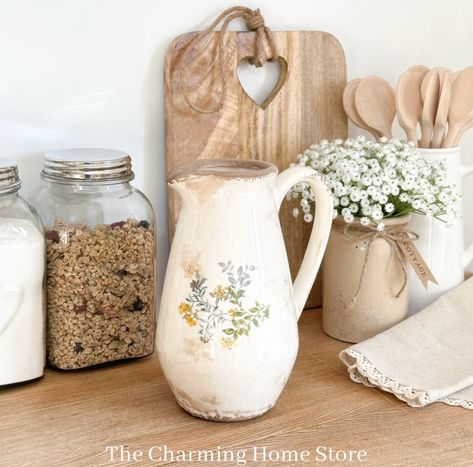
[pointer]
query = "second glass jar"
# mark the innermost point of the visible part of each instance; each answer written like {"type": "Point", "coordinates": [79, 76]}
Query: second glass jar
{"type": "Point", "coordinates": [101, 258]}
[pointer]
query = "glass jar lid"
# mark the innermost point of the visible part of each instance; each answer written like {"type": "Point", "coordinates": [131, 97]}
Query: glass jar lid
{"type": "Point", "coordinates": [9, 178]}
{"type": "Point", "coordinates": [88, 165]}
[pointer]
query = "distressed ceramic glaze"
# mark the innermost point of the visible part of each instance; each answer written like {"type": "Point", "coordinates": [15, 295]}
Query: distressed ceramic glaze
{"type": "Point", "coordinates": [377, 308]}
{"type": "Point", "coordinates": [441, 245]}
{"type": "Point", "coordinates": [227, 327]}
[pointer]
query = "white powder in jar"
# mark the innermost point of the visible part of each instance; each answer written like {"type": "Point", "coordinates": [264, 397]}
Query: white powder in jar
{"type": "Point", "coordinates": [22, 342]}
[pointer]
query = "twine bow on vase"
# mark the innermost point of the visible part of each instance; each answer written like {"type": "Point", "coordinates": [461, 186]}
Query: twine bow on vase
{"type": "Point", "coordinates": [395, 236]}
{"type": "Point", "coordinates": [264, 37]}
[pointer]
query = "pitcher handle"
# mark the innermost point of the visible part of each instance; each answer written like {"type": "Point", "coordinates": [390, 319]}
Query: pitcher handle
{"type": "Point", "coordinates": [320, 229]}
{"type": "Point", "coordinates": [467, 170]}
{"type": "Point", "coordinates": [11, 298]}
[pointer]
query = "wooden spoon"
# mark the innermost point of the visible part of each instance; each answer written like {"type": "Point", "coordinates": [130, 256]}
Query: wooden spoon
{"type": "Point", "coordinates": [467, 127]}
{"type": "Point", "coordinates": [456, 74]}
{"type": "Point", "coordinates": [442, 111]}
{"type": "Point", "coordinates": [434, 73]}
{"type": "Point", "coordinates": [376, 104]}
{"type": "Point", "coordinates": [430, 89]}
{"type": "Point", "coordinates": [419, 71]}
{"type": "Point", "coordinates": [461, 107]}
{"type": "Point", "coordinates": [408, 104]}
{"type": "Point", "coordinates": [350, 108]}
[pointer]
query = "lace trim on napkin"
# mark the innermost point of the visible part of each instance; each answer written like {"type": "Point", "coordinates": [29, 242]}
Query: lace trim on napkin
{"type": "Point", "coordinates": [362, 371]}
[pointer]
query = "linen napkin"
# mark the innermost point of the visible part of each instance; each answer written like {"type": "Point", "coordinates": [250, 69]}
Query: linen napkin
{"type": "Point", "coordinates": [426, 358]}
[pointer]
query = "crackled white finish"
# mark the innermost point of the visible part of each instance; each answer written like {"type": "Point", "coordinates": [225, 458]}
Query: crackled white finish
{"type": "Point", "coordinates": [441, 246]}
{"type": "Point", "coordinates": [235, 220]}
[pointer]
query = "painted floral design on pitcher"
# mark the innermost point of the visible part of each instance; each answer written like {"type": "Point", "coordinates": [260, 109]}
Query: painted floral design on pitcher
{"type": "Point", "coordinates": [222, 309]}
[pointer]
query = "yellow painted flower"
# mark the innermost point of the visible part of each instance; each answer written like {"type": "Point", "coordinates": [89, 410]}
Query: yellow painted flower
{"type": "Point", "coordinates": [233, 312]}
{"type": "Point", "coordinates": [227, 343]}
{"type": "Point", "coordinates": [184, 308]}
{"type": "Point", "coordinates": [219, 292]}
{"type": "Point", "coordinates": [190, 320]}
{"type": "Point", "coordinates": [191, 269]}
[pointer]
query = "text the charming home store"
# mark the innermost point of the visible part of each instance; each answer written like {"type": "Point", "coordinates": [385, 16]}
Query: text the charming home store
{"type": "Point", "coordinates": [257, 454]}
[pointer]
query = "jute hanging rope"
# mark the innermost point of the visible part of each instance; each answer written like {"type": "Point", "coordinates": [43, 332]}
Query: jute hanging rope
{"type": "Point", "coordinates": [255, 22]}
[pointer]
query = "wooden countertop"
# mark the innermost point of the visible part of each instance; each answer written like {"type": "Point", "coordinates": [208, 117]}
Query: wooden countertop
{"type": "Point", "coordinates": [68, 419]}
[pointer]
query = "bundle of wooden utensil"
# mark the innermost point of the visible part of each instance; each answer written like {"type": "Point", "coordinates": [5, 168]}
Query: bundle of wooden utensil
{"type": "Point", "coordinates": [436, 104]}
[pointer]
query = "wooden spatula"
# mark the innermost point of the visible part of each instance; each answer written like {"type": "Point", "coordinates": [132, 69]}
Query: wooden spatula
{"type": "Point", "coordinates": [443, 108]}
{"type": "Point", "coordinates": [408, 104]}
{"type": "Point", "coordinates": [376, 104]}
{"type": "Point", "coordinates": [461, 107]}
{"type": "Point", "coordinates": [350, 108]}
{"type": "Point", "coordinates": [430, 89]}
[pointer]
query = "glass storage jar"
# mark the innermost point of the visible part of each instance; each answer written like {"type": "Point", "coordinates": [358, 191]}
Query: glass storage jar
{"type": "Point", "coordinates": [22, 317]}
{"type": "Point", "coordinates": [101, 258]}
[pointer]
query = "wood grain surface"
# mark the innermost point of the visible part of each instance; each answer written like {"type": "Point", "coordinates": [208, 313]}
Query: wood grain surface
{"type": "Point", "coordinates": [68, 419]}
{"type": "Point", "coordinates": [306, 106]}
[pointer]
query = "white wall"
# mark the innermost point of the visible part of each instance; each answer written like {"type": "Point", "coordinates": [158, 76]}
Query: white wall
{"type": "Point", "coordinates": [89, 72]}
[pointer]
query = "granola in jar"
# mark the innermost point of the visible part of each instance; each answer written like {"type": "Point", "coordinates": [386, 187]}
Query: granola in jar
{"type": "Point", "coordinates": [101, 292]}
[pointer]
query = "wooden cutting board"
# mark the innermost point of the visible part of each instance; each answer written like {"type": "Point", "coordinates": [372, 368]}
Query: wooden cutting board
{"type": "Point", "coordinates": [304, 107]}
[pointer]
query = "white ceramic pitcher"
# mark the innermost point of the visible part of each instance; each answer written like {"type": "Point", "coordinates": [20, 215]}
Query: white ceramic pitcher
{"type": "Point", "coordinates": [441, 246]}
{"type": "Point", "coordinates": [227, 328]}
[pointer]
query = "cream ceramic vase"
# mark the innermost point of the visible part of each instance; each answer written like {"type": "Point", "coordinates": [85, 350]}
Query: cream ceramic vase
{"type": "Point", "coordinates": [376, 307]}
{"type": "Point", "coordinates": [227, 328]}
{"type": "Point", "coordinates": [442, 246]}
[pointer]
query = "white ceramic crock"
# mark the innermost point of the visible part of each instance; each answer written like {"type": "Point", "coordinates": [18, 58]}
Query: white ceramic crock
{"type": "Point", "coordinates": [441, 246]}
{"type": "Point", "coordinates": [378, 305]}
{"type": "Point", "coordinates": [227, 328]}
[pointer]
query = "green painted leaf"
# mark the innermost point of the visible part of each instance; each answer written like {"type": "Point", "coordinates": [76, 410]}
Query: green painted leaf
{"type": "Point", "coordinates": [229, 331]}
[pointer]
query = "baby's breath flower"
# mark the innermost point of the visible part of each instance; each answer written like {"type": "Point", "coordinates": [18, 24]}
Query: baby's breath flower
{"type": "Point", "coordinates": [377, 214]}
{"type": "Point", "coordinates": [373, 180]}
{"type": "Point", "coordinates": [354, 208]}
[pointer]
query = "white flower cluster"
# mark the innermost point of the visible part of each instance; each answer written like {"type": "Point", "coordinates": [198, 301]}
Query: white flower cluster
{"type": "Point", "coordinates": [373, 180]}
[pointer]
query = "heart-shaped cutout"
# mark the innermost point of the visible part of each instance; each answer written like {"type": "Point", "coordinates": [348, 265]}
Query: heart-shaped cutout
{"type": "Point", "coordinates": [261, 84]}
